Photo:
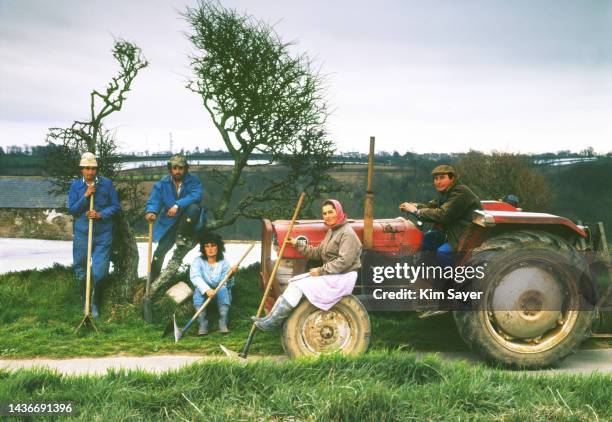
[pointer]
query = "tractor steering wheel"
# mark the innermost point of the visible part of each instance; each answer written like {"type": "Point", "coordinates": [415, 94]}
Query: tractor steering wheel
{"type": "Point", "coordinates": [414, 218]}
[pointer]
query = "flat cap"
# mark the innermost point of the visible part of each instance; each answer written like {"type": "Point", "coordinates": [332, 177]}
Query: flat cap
{"type": "Point", "coordinates": [177, 160]}
{"type": "Point", "coordinates": [443, 169]}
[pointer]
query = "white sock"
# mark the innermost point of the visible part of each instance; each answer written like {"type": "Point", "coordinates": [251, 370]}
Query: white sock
{"type": "Point", "coordinates": [293, 294]}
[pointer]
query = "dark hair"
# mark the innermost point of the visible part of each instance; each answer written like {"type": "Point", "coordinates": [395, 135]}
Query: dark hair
{"type": "Point", "coordinates": [328, 202]}
{"type": "Point", "coordinates": [451, 176]}
{"type": "Point", "coordinates": [212, 237]}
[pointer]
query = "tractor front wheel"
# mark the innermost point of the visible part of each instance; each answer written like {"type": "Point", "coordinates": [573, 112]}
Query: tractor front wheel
{"type": "Point", "coordinates": [309, 331]}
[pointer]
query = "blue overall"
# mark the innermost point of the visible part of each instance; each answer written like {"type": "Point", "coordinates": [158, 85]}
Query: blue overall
{"type": "Point", "coordinates": [106, 202]}
{"type": "Point", "coordinates": [435, 240]}
{"type": "Point", "coordinates": [163, 197]}
{"type": "Point", "coordinates": [205, 276]}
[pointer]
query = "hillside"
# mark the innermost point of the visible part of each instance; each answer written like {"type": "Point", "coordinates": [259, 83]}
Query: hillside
{"type": "Point", "coordinates": [580, 191]}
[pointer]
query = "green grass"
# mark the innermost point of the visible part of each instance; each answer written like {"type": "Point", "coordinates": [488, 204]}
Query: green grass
{"type": "Point", "coordinates": [39, 311]}
{"type": "Point", "coordinates": [379, 386]}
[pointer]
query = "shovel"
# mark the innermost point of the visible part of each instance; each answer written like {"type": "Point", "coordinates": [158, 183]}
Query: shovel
{"type": "Point", "coordinates": [147, 304]}
{"type": "Point", "coordinates": [247, 345]}
{"type": "Point", "coordinates": [87, 319]}
{"type": "Point", "coordinates": [179, 333]}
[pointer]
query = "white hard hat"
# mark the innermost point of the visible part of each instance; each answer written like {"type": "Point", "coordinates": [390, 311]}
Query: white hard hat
{"type": "Point", "coordinates": [88, 160]}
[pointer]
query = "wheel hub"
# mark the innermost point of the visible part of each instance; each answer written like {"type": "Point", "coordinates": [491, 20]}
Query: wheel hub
{"type": "Point", "coordinates": [527, 302]}
{"type": "Point", "coordinates": [326, 331]}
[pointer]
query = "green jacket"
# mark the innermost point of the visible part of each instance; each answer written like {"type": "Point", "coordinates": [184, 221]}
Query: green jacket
{"type": "Point", "coordinates": [453, 210]}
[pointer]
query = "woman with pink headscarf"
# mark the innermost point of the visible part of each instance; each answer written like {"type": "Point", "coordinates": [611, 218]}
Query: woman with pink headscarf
{"type": "Point", "coordinates": [324, 286]}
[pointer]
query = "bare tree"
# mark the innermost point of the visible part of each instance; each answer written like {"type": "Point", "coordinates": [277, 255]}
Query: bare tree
{"type": "Point", "coordinates": [261, 99]}
{"type": "Point", "coordinates": [67, 144]}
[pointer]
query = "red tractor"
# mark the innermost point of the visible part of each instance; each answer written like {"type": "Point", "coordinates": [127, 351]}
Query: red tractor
{"type": "Point", "coordinates": [543, 267]}
{"type": "Point", "coordinates": [547, 284]}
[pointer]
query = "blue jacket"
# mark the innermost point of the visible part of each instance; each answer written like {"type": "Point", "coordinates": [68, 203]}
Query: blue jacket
{"type": "Point", "coordinates": [106, 202]}
{"type": "Point", "coordinates": [163, 197]}
{"type": "Point", "coordinates": [205, 276]}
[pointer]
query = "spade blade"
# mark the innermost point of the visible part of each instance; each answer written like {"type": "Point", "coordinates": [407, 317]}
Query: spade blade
{"type": "Point", "coordinates": [177, 331]}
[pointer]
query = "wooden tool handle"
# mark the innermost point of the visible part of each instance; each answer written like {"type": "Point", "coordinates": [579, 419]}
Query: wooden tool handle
{"type": "Point", "coordinates": [149, 249]}
{"type": "Point", "coordinates": [247, 345]}
{"type": "Point", "coordinates": [280, 254]}
{"type": "Point", "coordinates": [89, 247]}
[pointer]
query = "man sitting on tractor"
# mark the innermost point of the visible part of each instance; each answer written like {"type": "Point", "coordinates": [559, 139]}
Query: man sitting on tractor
{"type": "Point", "coordinates": [451, 213]}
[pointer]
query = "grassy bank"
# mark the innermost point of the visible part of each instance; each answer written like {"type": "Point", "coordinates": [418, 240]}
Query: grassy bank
{"type": "Point", "coordinates": [40, 309]}
{"type": "Point", "coordinates": [379, 386]}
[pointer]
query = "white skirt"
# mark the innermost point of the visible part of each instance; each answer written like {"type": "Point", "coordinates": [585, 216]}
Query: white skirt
{"type": "Point", "coordinates": [326, 290]}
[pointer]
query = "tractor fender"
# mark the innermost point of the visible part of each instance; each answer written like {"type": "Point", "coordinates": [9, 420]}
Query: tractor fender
{"type": "Point", "coordinates": [489, 218]}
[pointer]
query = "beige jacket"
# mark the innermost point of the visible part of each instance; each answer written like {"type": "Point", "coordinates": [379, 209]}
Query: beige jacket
{"type": "Point", "coordinates": [340, 250]}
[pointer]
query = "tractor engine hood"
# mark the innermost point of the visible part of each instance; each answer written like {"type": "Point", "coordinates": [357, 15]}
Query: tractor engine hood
{"type": "Point", "coordinates": [391, 236]}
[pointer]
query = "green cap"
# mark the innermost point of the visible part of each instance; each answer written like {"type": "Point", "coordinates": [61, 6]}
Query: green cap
{"type": "Point", "coordinates": [177, 160]}
{"type": "Point", "coordinates": [443, 169]}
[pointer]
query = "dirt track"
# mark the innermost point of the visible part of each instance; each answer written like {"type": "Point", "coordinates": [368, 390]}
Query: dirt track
{"type": "Point", "coordinates": [583, 362]}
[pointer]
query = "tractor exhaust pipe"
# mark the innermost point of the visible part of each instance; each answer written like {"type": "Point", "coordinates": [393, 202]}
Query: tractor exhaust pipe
{"type": "Point", "coordinates": [368, 208]}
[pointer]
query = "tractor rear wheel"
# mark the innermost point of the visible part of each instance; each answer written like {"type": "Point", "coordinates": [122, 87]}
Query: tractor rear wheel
{"type": "Point", "coordinates": [537, 302]}
{"type": "Point", "coordinates": [309, 331]}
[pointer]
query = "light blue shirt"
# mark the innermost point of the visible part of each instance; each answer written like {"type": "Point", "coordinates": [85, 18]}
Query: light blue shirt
{"type": "Point", "coordinates": [204, 275]}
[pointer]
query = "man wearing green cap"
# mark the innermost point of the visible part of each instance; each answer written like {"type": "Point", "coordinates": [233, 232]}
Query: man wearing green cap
{"type": "Point", "coordinates": [452, 210]}
{"type": "Point", "coordinates": [174, 205]}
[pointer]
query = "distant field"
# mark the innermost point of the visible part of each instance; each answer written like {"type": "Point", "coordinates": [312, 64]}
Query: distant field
{"type": "Point", "coordinates": [580, 191]}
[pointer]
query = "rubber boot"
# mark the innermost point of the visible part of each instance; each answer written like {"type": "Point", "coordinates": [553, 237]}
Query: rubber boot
{"type": "Point", "coordinates": [156, 265]}
{"type": "Point", "coordinates": [281, 310]}
{"type": "Point", "coordinates": [94, 310]}
{"type": "Point", "coordinates": [203, 324]}
{"type": "Point", "coordinates": [82, 289]}
{"type": "Point", "coordinates": [95, 298]}
{"type": "Point", "coordinates": [223, 318]}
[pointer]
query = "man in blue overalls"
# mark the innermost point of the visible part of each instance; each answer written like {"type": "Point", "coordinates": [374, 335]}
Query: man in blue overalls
{"type": "Point", "coordinates": [174, 205]}
{"type": "Point", "coordinates": [106, 205]}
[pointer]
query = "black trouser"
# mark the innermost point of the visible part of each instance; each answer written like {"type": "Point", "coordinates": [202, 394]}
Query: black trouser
{"type": "Point", "coordinates": [184, 226]}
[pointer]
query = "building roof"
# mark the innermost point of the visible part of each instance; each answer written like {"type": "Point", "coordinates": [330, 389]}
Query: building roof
{"type": "Point", "coordinates": [19, 192]}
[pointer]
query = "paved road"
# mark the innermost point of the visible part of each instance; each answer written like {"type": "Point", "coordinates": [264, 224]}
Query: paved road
{"type": "Point", "coordinates": [583, 362]}
{"type": "Point", "coordinates": [99, 366]}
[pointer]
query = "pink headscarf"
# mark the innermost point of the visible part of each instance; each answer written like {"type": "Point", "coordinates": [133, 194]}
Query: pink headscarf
{"type": "Point", "coordinates": [339, 211]}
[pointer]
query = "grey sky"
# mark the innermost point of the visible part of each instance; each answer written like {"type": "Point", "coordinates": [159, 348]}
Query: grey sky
{"type": "Point", "coordinates": [420, 75]}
